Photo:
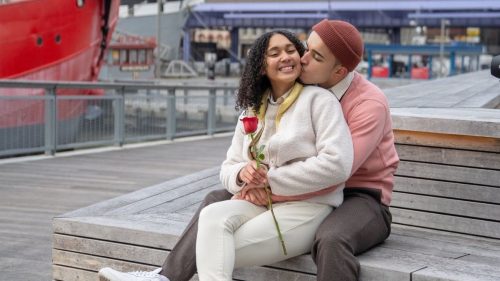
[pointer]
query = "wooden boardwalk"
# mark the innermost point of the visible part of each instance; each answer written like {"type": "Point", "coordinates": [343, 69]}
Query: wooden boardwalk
{"type": "Point", "coordinates": [33, 192]}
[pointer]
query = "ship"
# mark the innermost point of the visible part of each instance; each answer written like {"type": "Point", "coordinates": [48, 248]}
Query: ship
{"type": "Point", "coordinates": [50, 40]}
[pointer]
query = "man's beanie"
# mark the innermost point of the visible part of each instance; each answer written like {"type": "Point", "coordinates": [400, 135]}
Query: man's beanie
{"type": "Point", "coordinates": [343, 40]}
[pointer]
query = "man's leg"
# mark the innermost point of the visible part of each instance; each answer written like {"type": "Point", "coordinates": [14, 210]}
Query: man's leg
{"type": "Point", "coordinates": [180, 264]}
{"type": "Point", "coordinates": [360, 223]}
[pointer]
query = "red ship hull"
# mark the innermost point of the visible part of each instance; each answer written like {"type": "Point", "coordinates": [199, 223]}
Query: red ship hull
{"type": "Point", "coordinates": [51, 40]}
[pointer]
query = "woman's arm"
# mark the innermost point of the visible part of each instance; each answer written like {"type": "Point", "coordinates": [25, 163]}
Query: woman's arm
{"type": "Point", "coordinates": [234, 162]}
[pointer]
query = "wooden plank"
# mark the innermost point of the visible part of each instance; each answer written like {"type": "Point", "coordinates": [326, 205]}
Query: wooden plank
{"type": "Point", "coordinates": [124, 252]}
{"type": "Point", "coordinates": [456, 121]}
{"type": "Point", "coordinates": [61, 273]}
{"type": "Point", "coordinates": [375, 272]}
{"type": "Point", "coordinates": [449, 173]}
{"type": "Point", "coordinates": [443, 92]}
{"type": "Point", "coordinates": [447, 189]}
{"type": "Point", "coordinates": [446, 222]}
{"type": "Point", "coordinates": [193, 199]}
{"type": "Point", "coordinates": [489, 98]}
{"type": "Point", "coordinates": [430, 261]}
{"type": "Point", "coordinates": [9, 267]}
{"type": "Point", "coordinates": [445, 156]}
{"type": "Point", "coordinates": [147, 230]}
{"type": "Point", "coordinates": [454, 245]}
{"type": "Point", "coordinates": [87, 266]}
{"type": "Point", "coordinates": [492, 261]}
{"type": "Point", "coordinates": [446, 206]}
{"type": "Point", "coordinates": [452, 274]}
{"type": "Point", "coordinates": [94, 263]}
{"type": "Point", "coordinates": [166, 197]}
{"type": "Point", "coordinates": [432, 248]}
{"type": "Point", "coordinates": [447, 140]}
{"type": "Point", "coordinates": [267, 273]}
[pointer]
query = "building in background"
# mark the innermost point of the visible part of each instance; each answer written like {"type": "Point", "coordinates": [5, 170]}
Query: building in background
{"type": "Point", "coordinates": [189, 29]}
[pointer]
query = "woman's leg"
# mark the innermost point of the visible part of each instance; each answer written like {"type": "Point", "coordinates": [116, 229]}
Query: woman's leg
{"type": "Point", "coordinates": [180, 264]}
{"type": "Point", "coordinates": [215, 246]}
{"type": "Point", "coordinates": [257, 242]}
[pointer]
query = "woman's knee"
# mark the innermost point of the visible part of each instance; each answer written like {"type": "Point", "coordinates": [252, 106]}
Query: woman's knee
{"type": "Point", "coordinates": [216, 216]}
{"type": "Point", "coordinates": [209, 213]}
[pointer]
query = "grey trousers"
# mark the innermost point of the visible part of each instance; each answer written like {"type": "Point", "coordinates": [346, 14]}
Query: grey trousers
{"type": "Point", "coordinates": [360, 223]}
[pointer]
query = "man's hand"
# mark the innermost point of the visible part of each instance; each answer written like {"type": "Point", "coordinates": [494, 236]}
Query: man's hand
{"type": "Point", "coordinates": [253, 176]}
{"type": "Point", "coordinates": [257, 196]}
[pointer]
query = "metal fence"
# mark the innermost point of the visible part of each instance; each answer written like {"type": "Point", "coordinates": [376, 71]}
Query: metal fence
{"type": "Point", "coordinates": [46, 117]}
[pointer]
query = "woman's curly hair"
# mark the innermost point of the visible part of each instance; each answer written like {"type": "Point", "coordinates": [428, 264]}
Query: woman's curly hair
{"type": "Point", "coordinates": [253, 83]}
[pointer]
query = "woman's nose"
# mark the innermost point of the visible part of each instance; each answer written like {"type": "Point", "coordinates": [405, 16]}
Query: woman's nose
{"type": "Point", "coordinates": [285, 57]}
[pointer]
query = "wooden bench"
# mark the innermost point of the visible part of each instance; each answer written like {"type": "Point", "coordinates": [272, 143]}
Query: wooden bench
{"type": "Point", "coordinates": [446, 212]}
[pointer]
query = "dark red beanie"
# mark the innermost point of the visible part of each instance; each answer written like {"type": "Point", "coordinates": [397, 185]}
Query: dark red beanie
{"type": "Point", "coordinates": [343, 39]}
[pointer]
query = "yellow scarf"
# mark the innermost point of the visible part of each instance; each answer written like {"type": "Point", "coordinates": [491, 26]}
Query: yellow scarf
{"type": "Point", "coordinates": [283, 107]}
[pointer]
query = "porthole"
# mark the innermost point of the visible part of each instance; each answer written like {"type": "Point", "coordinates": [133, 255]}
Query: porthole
{"type": "Point", "coordinates": [39, 41]}
{"type": "Point", "coordinates": [80, 3]}
{"type": "Point", "coordinates": [58, 38]}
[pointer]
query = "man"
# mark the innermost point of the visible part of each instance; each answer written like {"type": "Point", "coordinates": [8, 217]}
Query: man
{"type": "Point", "coordinates": [335, 48]}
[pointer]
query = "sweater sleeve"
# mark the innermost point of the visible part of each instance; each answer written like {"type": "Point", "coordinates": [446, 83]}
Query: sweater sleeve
{"type": "Point", "coordinates": [366, 122]}
{"type": "Point", "coordinates": [333, 161]}
{"type": "Point", "coordinates": [234, 162]}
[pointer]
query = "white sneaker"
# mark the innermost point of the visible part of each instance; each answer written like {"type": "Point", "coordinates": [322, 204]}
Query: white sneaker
{"type": "Point", "coordinates": [109, 274]}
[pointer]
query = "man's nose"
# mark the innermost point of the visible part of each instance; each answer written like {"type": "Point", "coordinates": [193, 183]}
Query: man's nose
{"type": "Point", "coordinates": [304, 59]}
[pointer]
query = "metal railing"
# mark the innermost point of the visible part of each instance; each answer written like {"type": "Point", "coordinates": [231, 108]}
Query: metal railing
{"type": "Point", "coordinates": [46, 117]}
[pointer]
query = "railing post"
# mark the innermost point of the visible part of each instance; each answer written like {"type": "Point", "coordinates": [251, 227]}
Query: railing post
{"type": "Point", "coordinates": [50, 121]}
{"type": "Point", "coordinates": [171, 117]}
{"type": "Point", "coordinates": [185, 90]}
{"type": "Point", "coordinates": [119, 121]}
{"type": "Point", "coordinates": [211, 112]}
{"type": "Point", "coordinates": [226, 95]}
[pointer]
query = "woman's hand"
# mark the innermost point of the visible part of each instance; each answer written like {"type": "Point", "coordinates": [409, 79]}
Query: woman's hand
{"type": "Point", "coordinates": [252, 176]}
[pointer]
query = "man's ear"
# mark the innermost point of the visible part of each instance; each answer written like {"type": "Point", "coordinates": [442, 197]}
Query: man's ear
{"type": "Point", "coordinates": [342, 71]}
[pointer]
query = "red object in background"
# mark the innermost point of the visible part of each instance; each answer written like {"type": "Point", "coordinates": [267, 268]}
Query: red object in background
{"type": "Point", "coordinates": [132, 51]}
{"type": "Point", "coordinates": [420, 73]}
{"type": "Point", "coordinates": [380, 71]}
{"type": "Point", "coordinates": [51, 40]}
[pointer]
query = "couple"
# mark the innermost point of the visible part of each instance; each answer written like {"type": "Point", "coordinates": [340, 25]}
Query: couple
{"type": "Point", "coordinates": [315, 161]}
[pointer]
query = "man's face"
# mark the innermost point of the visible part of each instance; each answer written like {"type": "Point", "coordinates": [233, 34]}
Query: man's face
{"type": "Point", "coordinates": [319, 65]}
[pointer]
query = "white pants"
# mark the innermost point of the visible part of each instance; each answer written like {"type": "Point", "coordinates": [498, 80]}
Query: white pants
{"type": "Point", "coordinates": [237, 233]}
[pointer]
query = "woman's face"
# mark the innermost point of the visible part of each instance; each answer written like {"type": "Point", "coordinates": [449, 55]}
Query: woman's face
{"type": "Point", "coordinates": [282, 61]}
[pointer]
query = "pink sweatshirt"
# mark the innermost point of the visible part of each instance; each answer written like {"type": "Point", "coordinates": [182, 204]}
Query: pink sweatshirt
{"type": "Point", "coordinates": [367, 114]}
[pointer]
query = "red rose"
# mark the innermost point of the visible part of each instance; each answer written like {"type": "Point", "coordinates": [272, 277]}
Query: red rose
{"type": "Point", "coordinates": [250, 124]}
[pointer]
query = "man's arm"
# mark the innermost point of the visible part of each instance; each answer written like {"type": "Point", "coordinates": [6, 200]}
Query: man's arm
{"type": "Point", "coordinates": [366, 122]}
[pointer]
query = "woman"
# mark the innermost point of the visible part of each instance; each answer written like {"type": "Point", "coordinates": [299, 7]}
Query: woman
{"type": "Point", "coordinates": [307, 148]}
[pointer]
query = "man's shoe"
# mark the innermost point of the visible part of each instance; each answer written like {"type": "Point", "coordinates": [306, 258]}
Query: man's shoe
{"type": "Point", "coordinates": [109, 274]}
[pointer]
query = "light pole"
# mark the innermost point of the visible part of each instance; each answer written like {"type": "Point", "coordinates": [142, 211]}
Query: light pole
{"type": "Point", "coordinates": [444, 22]}
{"type": "Point", "coordinates": [158, 39]}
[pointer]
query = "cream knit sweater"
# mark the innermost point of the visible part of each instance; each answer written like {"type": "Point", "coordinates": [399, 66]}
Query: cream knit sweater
{"type": "Point", "coordinates": [310, 151]}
